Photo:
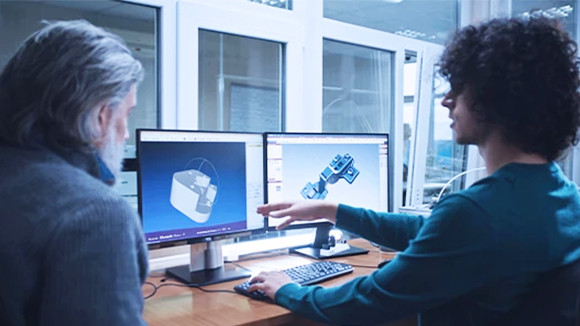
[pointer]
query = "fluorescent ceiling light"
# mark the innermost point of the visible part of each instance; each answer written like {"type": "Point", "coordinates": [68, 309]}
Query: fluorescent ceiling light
{"type": "Point", "coordinates": [555, 12]}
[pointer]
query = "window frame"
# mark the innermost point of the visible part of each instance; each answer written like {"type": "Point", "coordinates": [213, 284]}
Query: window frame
{"type": "Point", "coordinates": [232, 17]}
{"type": "Point", "coordinates": [166, 59]}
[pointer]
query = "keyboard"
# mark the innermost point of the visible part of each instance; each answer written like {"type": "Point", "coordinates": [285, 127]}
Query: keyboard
{"type": "Point", "coordinates": [304, 275]}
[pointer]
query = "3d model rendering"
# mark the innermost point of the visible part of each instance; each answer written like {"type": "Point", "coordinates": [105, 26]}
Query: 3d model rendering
{"type": "Point", "coordinates": [341, 167]}
{"type": "Point", "coordinates": [193, 193]}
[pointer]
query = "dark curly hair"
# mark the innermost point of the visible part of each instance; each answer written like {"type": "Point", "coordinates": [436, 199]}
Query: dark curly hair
{"type": "Point", "coordinates": [522, 76]}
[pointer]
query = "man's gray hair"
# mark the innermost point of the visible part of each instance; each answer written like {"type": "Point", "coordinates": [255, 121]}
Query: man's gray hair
{"type": "Point", "coordinates": [51, 90]}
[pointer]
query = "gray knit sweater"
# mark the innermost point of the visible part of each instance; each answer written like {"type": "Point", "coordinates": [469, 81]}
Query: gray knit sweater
{"type": "Point", "coordinates": [71, 249]}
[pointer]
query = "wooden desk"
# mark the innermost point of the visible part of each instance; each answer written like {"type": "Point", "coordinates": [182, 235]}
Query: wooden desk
{"type": "Point", "coordinates": [173, 305]}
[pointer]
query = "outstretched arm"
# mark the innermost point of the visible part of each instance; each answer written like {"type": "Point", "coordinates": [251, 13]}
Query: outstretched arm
{"type": "Point", "coordinates": [389, 229]}
{"type": "Point", "coordinates": [305, 210]}
{"type": "Point", "coordinates": [454, 253]}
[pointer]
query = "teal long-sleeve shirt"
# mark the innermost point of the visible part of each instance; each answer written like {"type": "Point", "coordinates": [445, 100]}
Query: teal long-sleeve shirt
{"type": "Point", "coordinates": [469, 263]}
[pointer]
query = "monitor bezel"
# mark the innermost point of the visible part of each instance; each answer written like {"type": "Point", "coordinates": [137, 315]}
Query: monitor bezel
{"type": "Point", "coordinates": [310, 225]}
{"type": "Point", "coordinates": [195, 240]}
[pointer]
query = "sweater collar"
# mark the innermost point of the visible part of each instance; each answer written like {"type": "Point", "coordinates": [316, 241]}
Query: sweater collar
{"type": "Point", "coordinates": [105, 173]}
{"type": "Point", "coordinates": [90, 162]}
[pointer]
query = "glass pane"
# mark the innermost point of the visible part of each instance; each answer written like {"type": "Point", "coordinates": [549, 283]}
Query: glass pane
{"type": "Point", "coordinates": [562, 9]}
{"type": "Point", "coordinates": [357, 88]}
{"type": "Point", "coordinates": [409, 114]}
{"type": "Point", "coordinates": [136, 24]}
{"type": "Point", "coordinates": [240, 83]}
{"type": "Point", "coordinates": [445, 158]}
{"type": "Point", "coordinates": [426, 20]}
{"type": "Point", "coordinates": [284, 4]}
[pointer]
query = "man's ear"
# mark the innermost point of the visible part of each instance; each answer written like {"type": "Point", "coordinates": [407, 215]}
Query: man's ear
{"type": "Point", "coordinates": [103, 120]}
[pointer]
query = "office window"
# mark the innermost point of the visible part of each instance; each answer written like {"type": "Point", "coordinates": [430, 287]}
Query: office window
{"type": "Point", "coordinates": [357, 88]}
{"type": "Point", "coordinates": [409, 114]}
{"type": "Point", "coordinates": [445, 158]}
{"type": "Point", "coordinates": [426, 20]}
{"type": "Point", "coordinates": [136, 24]}
{"type": "Point", "coordinates": [564, 10]}
{"type": "Point", "coordinates": [240, 83]}
{"type": "Point", "coordinates": [284, 4]}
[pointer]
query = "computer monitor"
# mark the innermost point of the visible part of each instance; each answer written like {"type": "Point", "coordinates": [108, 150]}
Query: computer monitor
{"type": "Point", "coordinates": [197, 187]}
{"type": "Point", "coordinates": [352, 169]}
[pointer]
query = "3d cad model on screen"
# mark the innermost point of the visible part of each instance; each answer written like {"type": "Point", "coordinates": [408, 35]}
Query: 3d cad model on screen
{"type": "Point", "coordinates": [341, 167]}
{"type": "Point", "coordinates": [192, 190]}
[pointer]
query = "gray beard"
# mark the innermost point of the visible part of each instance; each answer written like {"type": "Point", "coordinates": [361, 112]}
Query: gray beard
{"type": "Point", "coordinates": [112, 153]}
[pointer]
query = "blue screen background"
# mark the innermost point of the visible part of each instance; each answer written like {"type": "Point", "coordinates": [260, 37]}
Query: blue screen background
{"type": "Point", "coordinates": [160, 160]}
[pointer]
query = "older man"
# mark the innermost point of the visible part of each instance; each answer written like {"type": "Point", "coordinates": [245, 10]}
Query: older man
{"type": "Point", "coordinates": [71, 249]}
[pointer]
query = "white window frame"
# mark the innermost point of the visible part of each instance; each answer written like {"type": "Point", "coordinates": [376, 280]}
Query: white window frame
{"type": "Point", "coordinates": [166, 59]}
{"type": "Point", "coordinates": [320, 28]}
{"type": "Point", "coordinates": [430, 53]}
{"type": "Point", "coordinates": [241, 18]}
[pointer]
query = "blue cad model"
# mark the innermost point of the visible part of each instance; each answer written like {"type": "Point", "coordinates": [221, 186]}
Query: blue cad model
{"type": "Point", "coordinates": [341, 167]}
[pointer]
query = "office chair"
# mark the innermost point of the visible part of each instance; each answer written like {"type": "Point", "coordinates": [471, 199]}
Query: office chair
{"type": "Point", "coordinates": [554, 300]}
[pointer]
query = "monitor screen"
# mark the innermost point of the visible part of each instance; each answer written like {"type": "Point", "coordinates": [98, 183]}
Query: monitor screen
{"type": "Point", "coordinates": [195, 186]}
{"type": "Point", "coordinates": [344, 168]}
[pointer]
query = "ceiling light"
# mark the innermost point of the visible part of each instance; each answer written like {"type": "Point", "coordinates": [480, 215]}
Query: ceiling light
{"type": "Point", "coordinates": [560, 12]}
{"type": "Point", "coordinates": [411, 33]}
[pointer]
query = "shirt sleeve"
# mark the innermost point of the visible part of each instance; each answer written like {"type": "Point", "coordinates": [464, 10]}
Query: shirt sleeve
{"type": "Point", "coordinates": [451, 255]}
{"type": "Point", "coordinates": [94, 268]}
{"type": "Point", "coordinates": [387, 229]}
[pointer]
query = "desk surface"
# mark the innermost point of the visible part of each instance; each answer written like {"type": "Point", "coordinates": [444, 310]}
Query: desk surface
{"type": "Point", "coordinates": [174, 305]}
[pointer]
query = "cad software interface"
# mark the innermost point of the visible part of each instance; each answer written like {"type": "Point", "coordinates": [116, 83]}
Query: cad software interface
{"type": "Point", "coordinates": [350, 169]}
{"type": "Point", "coordinates": [199, 184]}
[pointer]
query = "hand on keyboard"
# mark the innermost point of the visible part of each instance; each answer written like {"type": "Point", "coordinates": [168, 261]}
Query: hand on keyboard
{"type": "Point", "coordinates": [266, 284]}
{"type": "Point", "coordinates": [269, 282]}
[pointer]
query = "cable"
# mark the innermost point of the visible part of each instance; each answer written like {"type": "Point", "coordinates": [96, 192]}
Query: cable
{"type": "Point", "coordinates": [189, 285]}
{"type": "Point", "coordinates": [157, 287]}
{"type": "Point", "coordinates": [202, 289]}
{"type": "Point", "coordinates": [454, 178]}
{"type": "Point", "coordinates": [154, 290]}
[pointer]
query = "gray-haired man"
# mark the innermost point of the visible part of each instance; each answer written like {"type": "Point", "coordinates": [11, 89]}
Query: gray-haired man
{"type": "Point", "coordinates": [72, 251]}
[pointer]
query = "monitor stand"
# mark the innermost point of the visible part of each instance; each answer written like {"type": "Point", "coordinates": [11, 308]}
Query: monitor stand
{"type": "Point", "coordinates": [324, 246]}
{"type": "Point", "coordinates": [207, 266]}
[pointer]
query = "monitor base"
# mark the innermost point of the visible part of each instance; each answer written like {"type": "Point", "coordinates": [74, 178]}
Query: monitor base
{"type": "Point", "coordinates": [319, 253]}
{"type": "Point", "coordinates": [208, 276]}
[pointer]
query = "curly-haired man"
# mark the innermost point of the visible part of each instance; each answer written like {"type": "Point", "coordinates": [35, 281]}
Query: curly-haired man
{"type": "Point", "coordinates": [514, 94]}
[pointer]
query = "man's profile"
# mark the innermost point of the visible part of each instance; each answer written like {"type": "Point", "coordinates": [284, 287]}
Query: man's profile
{"type": "Point", "coordinates": [514, 94]}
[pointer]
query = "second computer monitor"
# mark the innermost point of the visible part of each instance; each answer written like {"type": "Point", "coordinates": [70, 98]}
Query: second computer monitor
{"type": "Point", "coordinates": [344, 168]}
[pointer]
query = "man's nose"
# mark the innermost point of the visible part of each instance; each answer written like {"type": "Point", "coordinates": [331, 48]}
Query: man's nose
{"type": "Point", "coordinates": [447, 101]}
